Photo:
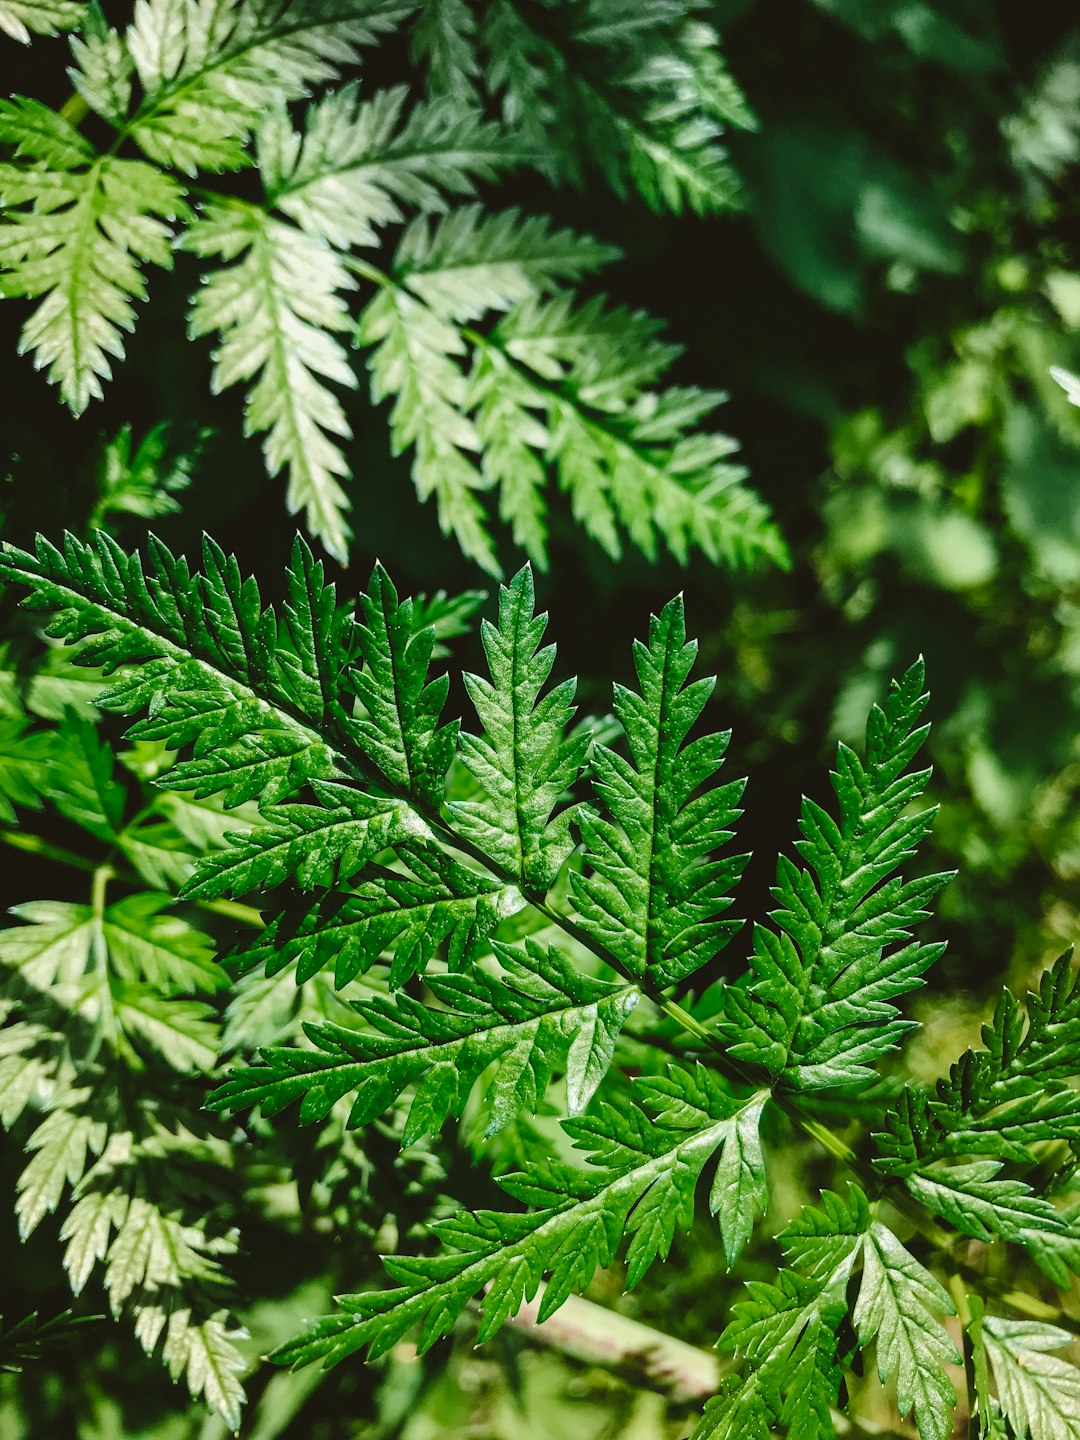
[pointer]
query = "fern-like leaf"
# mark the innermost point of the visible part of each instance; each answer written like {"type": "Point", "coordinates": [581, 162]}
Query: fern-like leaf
{"type": "Point", "coordinates": [647, 1160]}
{"type": "Point", "coordinates": [399, 729]}
{"type": "Point", "coordinates": [30, 1338]}
{"type": "Point", "coordinates": [651, 891]}
{"type": "Point", "coordinates": [206, 68]}
{"type": "Point", "coordinates": [524, 761]}
{"type": "Point", "coordinates": [79, 225]}
{"type": "Point", "coordinates": [817, 1009]}
{"type": "Point", "coordinates": [637, 94]}
{"type": "Point", "coordinates": [357, 163]}
{"type": "Point", "coordinates": [278, 307]}
{"type": "Point", "coordinates": [22, 18]}
{"type": "Point", "coordinates": [539, 1016]}
{"type": "Point", "coordinates": [568, 382]}
{"type": "Point", "coordinates": [999, 1106]}
{"type": "Point", "coordinates": [788, 1331]}
{"type": "Point", "coordinates": [1038, 1392]}
{"type": "Point", "coordinates": [407, 916]}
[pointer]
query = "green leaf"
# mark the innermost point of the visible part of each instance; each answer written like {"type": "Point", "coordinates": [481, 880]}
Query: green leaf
{"type": "Point", "coordinates": [817, 1010]}
{"type": "Point", "coordinates": [537, 1017]}
{"type": "Point", "coordinates": [1038, 1392]}
{"type": "Point", "coordinates": [124, 971]}
{"type": "Point", "coordinates": [417, 361]}
{"type": "Point", "coordinates": [78, 227]}
{"type": "Point", "coordinates": [651, 892]}
{"type": "Point", "coordinates": [357, 163]}
{"type": "Point", "coordinates": [645, 1161]}
{"type": "Point", "coordinates": [740, 1192]}
{"type": "Point", "coordinates": [472, 261]}
{"type": "Point", "coordinates": [524, 761]}
{"type": "Point", "coordinates": [206, 1354]}
{"type": "Point", "coordinates": [204, 95]}
{"type": "Point", "coordinates": [982, 1203]}
{"type": "Point", "coordinates": [25, 1342]}
{"type": "Point", "coordinates": [144, 479]}
{"type": "Point", "coordinates": [443, 36]}
{"type": "Point", "coordinates": [231, 666]}
{"type": "Point", "coordinates": [25, 758]}
{"type": "Point", "coordinates": [277, 307]}
{"type": "Point", "coordinates": [61, 1149]}
{"type": "Point", "coordinates": [81, 780]}
{"type": "Point", "coordinates": [568, 384]}
{"type": "Point", "coordinates": [399, 729]}
{"type": "Point", "coordinates": [787, 1331]}
{"type": "Point", "coordinates": [311, 844]}
{"type": "Point", "coordinates": [1001, 1101]}
{"type": "Point", "coordinates": [18, 18]}
{"type": "Point", "coordinates": [899, 1301]}
{"type": "Point", "coordinates": [390, 913]}
{"type": "Point", "coordinates": [638, 95]}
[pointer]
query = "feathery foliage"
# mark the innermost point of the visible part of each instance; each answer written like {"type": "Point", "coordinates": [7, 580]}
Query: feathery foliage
{"type": "Point", "coordinates": [193, 92]}
{"type": "Point", "coordinates": [816, 1009]}
{"type": "Point", "coordinates": [504, 966]}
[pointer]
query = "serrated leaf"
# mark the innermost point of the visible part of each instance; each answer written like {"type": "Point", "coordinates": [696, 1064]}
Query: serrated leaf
{"type": "Point", "coordinates": [60, 1148]}
{"type": "Point", "coordinates": [652, 890]}
{"type": "Point", "coordinates": [21, 18]}
{"type": "Point", "coordinates": [405, 917]}
{"type": "Point", "coordinates": [817, 1008]}
{"type": "Point", "coordinates": [205, 1353]}
{"type": "Point", "coordinates": [1039, 1392]}
{"type": "Point", "coordinates": [645, 1161]}
{"type": "Point", "coordinates": [78, 227]}
{"type": "Point", "coordinates": [278, 307]}
{"type": "Point", "coordinates": [207, 67]}
{"type": "Point", "coordinates": [898, 1305]}
{"type": "Point", "coordinates": [357, 162]}
{"type": "Point", "coordinates": [535, 1018]}
{"type": "Point", "coordinates": [524, 761]}
{"type": "Point", "coordinates": [740, 1192]}
{"type": "Point", "coordinates": [638, 95]}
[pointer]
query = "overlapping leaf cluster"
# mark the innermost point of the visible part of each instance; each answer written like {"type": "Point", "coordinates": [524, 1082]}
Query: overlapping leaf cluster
{"type": "Point", "coordinates": [113, 1016]}
{"type": "Point", "coordinates": [497, 372]}
{"type": "Point", "coordinates": [110, 1028]}
{"type": "Point", "coordinates": [520, 898]}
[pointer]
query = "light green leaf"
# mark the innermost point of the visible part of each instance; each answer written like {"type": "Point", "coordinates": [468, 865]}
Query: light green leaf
{"type": "Point", "coordinates": [77, 229]}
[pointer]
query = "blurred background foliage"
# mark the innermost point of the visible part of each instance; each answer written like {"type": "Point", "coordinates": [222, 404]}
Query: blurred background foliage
{"type": "Point", "coordinates": [884, 313]}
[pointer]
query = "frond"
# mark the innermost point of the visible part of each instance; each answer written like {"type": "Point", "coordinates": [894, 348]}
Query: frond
{"type": "Point", "coordinates": [637, 94]}
{"type": "Point", "coordinates": [816, 1009]}
{"type": "Point", "coordinates": [964, 1146]}
{"type": "Point", "coordinates": [78, 228]}
{"type": "Point", "coordinates": [524, 761]}
{"type": "Point", "coordinates": [278, 307]}
{"type": "Point", "coordinates": [646, 1160]}
{"type": "Point", "coordinates": [446, 275]}
{"type": "Point", "coordinates": [652, 891]}
{"type": "Point", "coordinates": [206, 68]}
{"type": "Point", "coordinates": [436, 905]}
{"type": "Point", "coordinates": [123, 987]}
{"type": "Point", "coordinates": [22, 18]}
{"type": "Point", "coordinates": [444, 39]}
{"type": "Point", "coordinates": [358, 163]}
{"type": "Point", "coordinates": [1038, 1392]}
{"type": "Point", "coordinates": [788, 1332]}
{"type": "Point", "coordinates": [25, 1342]}
{"type": "Point", "coordinates": [560, 383]}
{"type": "Point", "coordinates": [537, 1017]}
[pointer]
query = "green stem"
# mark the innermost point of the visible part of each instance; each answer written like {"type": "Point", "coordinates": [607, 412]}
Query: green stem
{"type": "Point", "coordinates": [74, 109]}
{"type": "Point", "coordinates": [32, 844]}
